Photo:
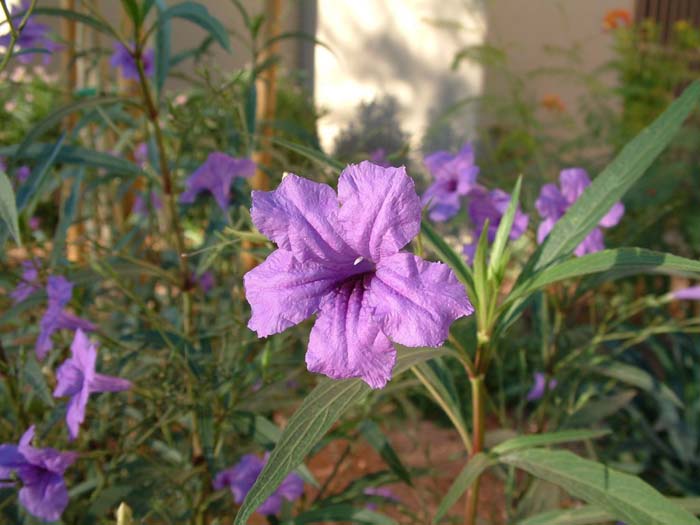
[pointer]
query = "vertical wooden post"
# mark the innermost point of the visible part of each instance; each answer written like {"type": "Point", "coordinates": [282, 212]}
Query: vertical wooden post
{"type": "Point", "coordinates": [70, 66]}
{"type": "Point", "coordinates": [267, 95]}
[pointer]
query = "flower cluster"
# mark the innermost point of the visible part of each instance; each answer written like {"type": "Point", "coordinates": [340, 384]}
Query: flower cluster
{"type": "Point", "coordinates": [40, 471]}
{"type": "Point", "coordinates": [340, 255]}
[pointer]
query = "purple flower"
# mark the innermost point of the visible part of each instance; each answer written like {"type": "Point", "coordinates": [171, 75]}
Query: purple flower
{"type": "Point", "coordinates": [60, 291]}
{"type": "Point", "coordinates": [34, 223]}
{"type": "Point", "coordinates": [34, 35]}
{"type": "Point", "coordinates": [382, 492]}
{"type": "Point", "coordinates": [537, 390]}
{"type": "Point", "coordinates": [378, 157]}
{"type": "Point", "coordinates": [141, 207]}
{"type": "Point", "coordinates": [23, 173]}
{"type": "Point", "coordinates": [553, 203]}
{"type": "Point", "coordinates": [691, 294]}
{"type": "Point", "coordinates": [215, 176]}
{"type": "Point", "coordinates": [123, 58]}
{"type": "Point", "coordinates": [455, 176]}
{"type": "Point", "coordinates": [492, 205]}
{"type": "Point", "coordinates": [141, 153]}
{"type": "Point", "coordinates": [77, 379]}
{"type": "Point", "coordinates": [241, 477]}
{"type": "Point", "coordinates": [339, 255]}
{"type": "Point", "coordinates": [29, 282]}
{"type": "Point", "coordinates": [205, 281]}
{"type": "Point", "coordinates": [43, 491]}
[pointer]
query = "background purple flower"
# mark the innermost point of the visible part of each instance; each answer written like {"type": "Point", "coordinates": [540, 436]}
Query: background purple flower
{"type": "Point", "coordinates": [29, 282]}
{"type": "Point", "coordinates": [123, 58]}
{"type": "Point", "coordinates": [59, 291]}
{"type": "Point", "coordinates": [205, 281]}
{"type": "Point", "coordinates": [454, 176]}
{"type": "Point", "coordinates": [141, 206]}
{"type": "Point", "coordinates": [539, 386]}
{"type": "Point", "coordinates": [23, 173]}
{"type": "Point", "coordinates": [43, 491]}
{"type": "Point", "coordinates": [378, 157]}
{"type": "Point", "coordinates": [241, 477]}
{"type": "Point", "coordinates": [345, 263]}
{"type": "Point", "coordinates": [382, 492]}
{"type": "Point", "coordinates": [553, 203]}
{"type": "Point", "coordinates": [34, 35]}
{"type": "Point", "coordinates": [492, 205]}
{"type": "Point", "coordinates": [691, 293]}
{"type": "Point", "coordinates": [77, 379]}
{"type": "Point", "coordinates": [215, 175]}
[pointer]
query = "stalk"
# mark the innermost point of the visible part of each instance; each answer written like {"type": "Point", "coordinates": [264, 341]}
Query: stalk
{"type": "Point", "coordinates": [478, 417]}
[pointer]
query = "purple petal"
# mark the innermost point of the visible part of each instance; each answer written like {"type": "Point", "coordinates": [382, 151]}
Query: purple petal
{"type": "Point", "coordinates": [469, 250]}
{"type": "Point", "coordinates": [538, 388]}
{"type": "Point", "coordinates": [613, 216]}
{"type": "Point", "coordinates": [292, 488]}
{"type": "Point", "coordinates": [301, 216]}
{"type": "Point", "coordinates": [47, 326]}
{"type": "Point", "coordinates": [59, 289]}
{"type": "Point", "coordinates": [435, 161]}
{"type": "Point", "coordinates": [10, 459]}
{"type": "Point", "coordinates": [271, 505]}
{"type": "Point", "coordinates": [544, 228]}
{"type": "Point", "coordinates": [551, 204]}
{"type": "Point", "coordinates": [75, 414]}
{"type": "Point", "coordinates": [346, 341]}
{"type": "Point", "coordinates": [416, 300]}
{"type": "Point", "coordinates": [105, 383]}
{"type": "Point", "coordinates": [241, 477]}
{"type": "Point", "coordinates": [380, 209]}
{"type": "Point", "coordinates": [283, 291]}
{"type": "Point", "coordinates": [44, 496]}
{"type": "Point", "coordinates": [573, 181]}
{"type": "Point", "coordinates": [443, 206]}
{"type": "Point", "coordinates": [691, 294]}
{"type": "Point", "coordinates": [69, 321]}
{"type": "Point", "coordinates": [215, 175]}
{"type": "Point", "coordinates": [69, 379]}
{"type": "Point", "coordinates": [591, 244]}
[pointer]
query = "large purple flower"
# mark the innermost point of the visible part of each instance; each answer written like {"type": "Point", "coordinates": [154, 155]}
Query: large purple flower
{"type": "Point", "coordinates": [34, 36]}
{"type": "Point", "coordinates": [29, 282]}
{"type": "Point", "coordinates": [77, 379]}
{"type": "Point", "coordinates": [215, 176]}
{"type": "Point", "coordinates": [59, 291]}
{"type": "Point", "coordinates": [123, 58]}
{"type": "Point", "coordinates": [455, 176]}
{"type": "Point", "coordinates": [553, 203]}
{"type": "Point", "coordinates": [241, 477]}
{"type": "Point", "coordinates": [43, 491]}
{"type": "Point", "coordinates": [339, 255]}
{"type": "Point", "coordinates": [492, 205]}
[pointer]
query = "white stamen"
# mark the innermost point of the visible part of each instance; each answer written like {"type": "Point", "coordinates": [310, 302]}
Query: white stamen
{"type": "Point", "coordinates": [358, 260]}
{"type": "Point", "coordinates": [284, 174]}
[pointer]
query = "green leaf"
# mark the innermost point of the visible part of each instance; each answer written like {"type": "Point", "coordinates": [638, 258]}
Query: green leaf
{"type": "Point", "coordinates": [621, 260]}
{"type": "Point", "coordinates": [609, 187]}
{"type": "Point", "coordinates": [626, 497]}
{"type": "Point", "coordinates": [591, 514]}
{"type": "Point", "coordinates": [199, 15]}
{"type": "Point", "coordinates": [74, 155]}
{"type": "Point", "coordinates": [379, 442]}
{"type": "Point", "coordinates": [29, 191]}
{"type": "Point", "coordinates": [320, 409]}
{"type": "Point", "coordinates": [310, 153]}
{"type": "Point", "coordinates": [133, 10]}
{"type": "Point", "coordinates": [445, 252]}
{"type": "Point", "coordinates": [342, 513]}
{"type": "Point", "coordinates": [481, 285]}
{"type": "Point", "coordinates": [551, 438]}
{"type": "Point", "coordinates": [471, 471]}
{"type": "Point", "coordinates": [8, 207]}
{"type": "Point", "coordinates": [162, 58]}
{"type": "Point", "coordinates": [634, 376]}
{"type": "Point", "coordinates": [77, 17]}
{"type": "Point", "coordinates": [503, 232]}
{"type": "Point", "coordinates": [33, 376]}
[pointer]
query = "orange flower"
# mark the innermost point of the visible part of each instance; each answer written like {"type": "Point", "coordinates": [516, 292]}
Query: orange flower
{"type": "Point", "coordinates": [617, 18]}
{"type": "Point", "coordinates": [553, 103]}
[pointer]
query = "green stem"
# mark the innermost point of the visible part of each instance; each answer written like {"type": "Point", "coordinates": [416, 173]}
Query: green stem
{"type": "Point", "coordinates": [478, 417]}
{"type": "Point", "coordinates": [14, 31]}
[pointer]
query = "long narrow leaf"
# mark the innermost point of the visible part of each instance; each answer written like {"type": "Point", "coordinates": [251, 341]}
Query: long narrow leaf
{"type": "Point", "coordinates": [8, 207]}
{"type": "Point", "coordinates": [472, 470]}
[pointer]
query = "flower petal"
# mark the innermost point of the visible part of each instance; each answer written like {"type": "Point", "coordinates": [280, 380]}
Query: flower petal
{"type": "Point", "coordinates": [105, 383]}
{"type": "Point", "coordinates": [346, 341]}
{"type": "Point", "coordinates": [75, 414]}
{"type": "Point", "coordinates": [591, 244]}
{"type": "Point", "coordinates": [380, 209]}
{"type": "Point", "coordinates": [544, 228]}
{"type": "Point", "coordinates": [551, 204]}
{"type": "Point", "coordinates": [573, 181]}
{"type": "Point", "coordinates": [613, 216]}
{"type": "Point", "coordinates": [300, 216]}
{"type": "Point", "coordinates": [44, 496]}
{"type": "Point", "coordinates": [283, 291]}
{"type": "Point", "coordinates": [417, 300]}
